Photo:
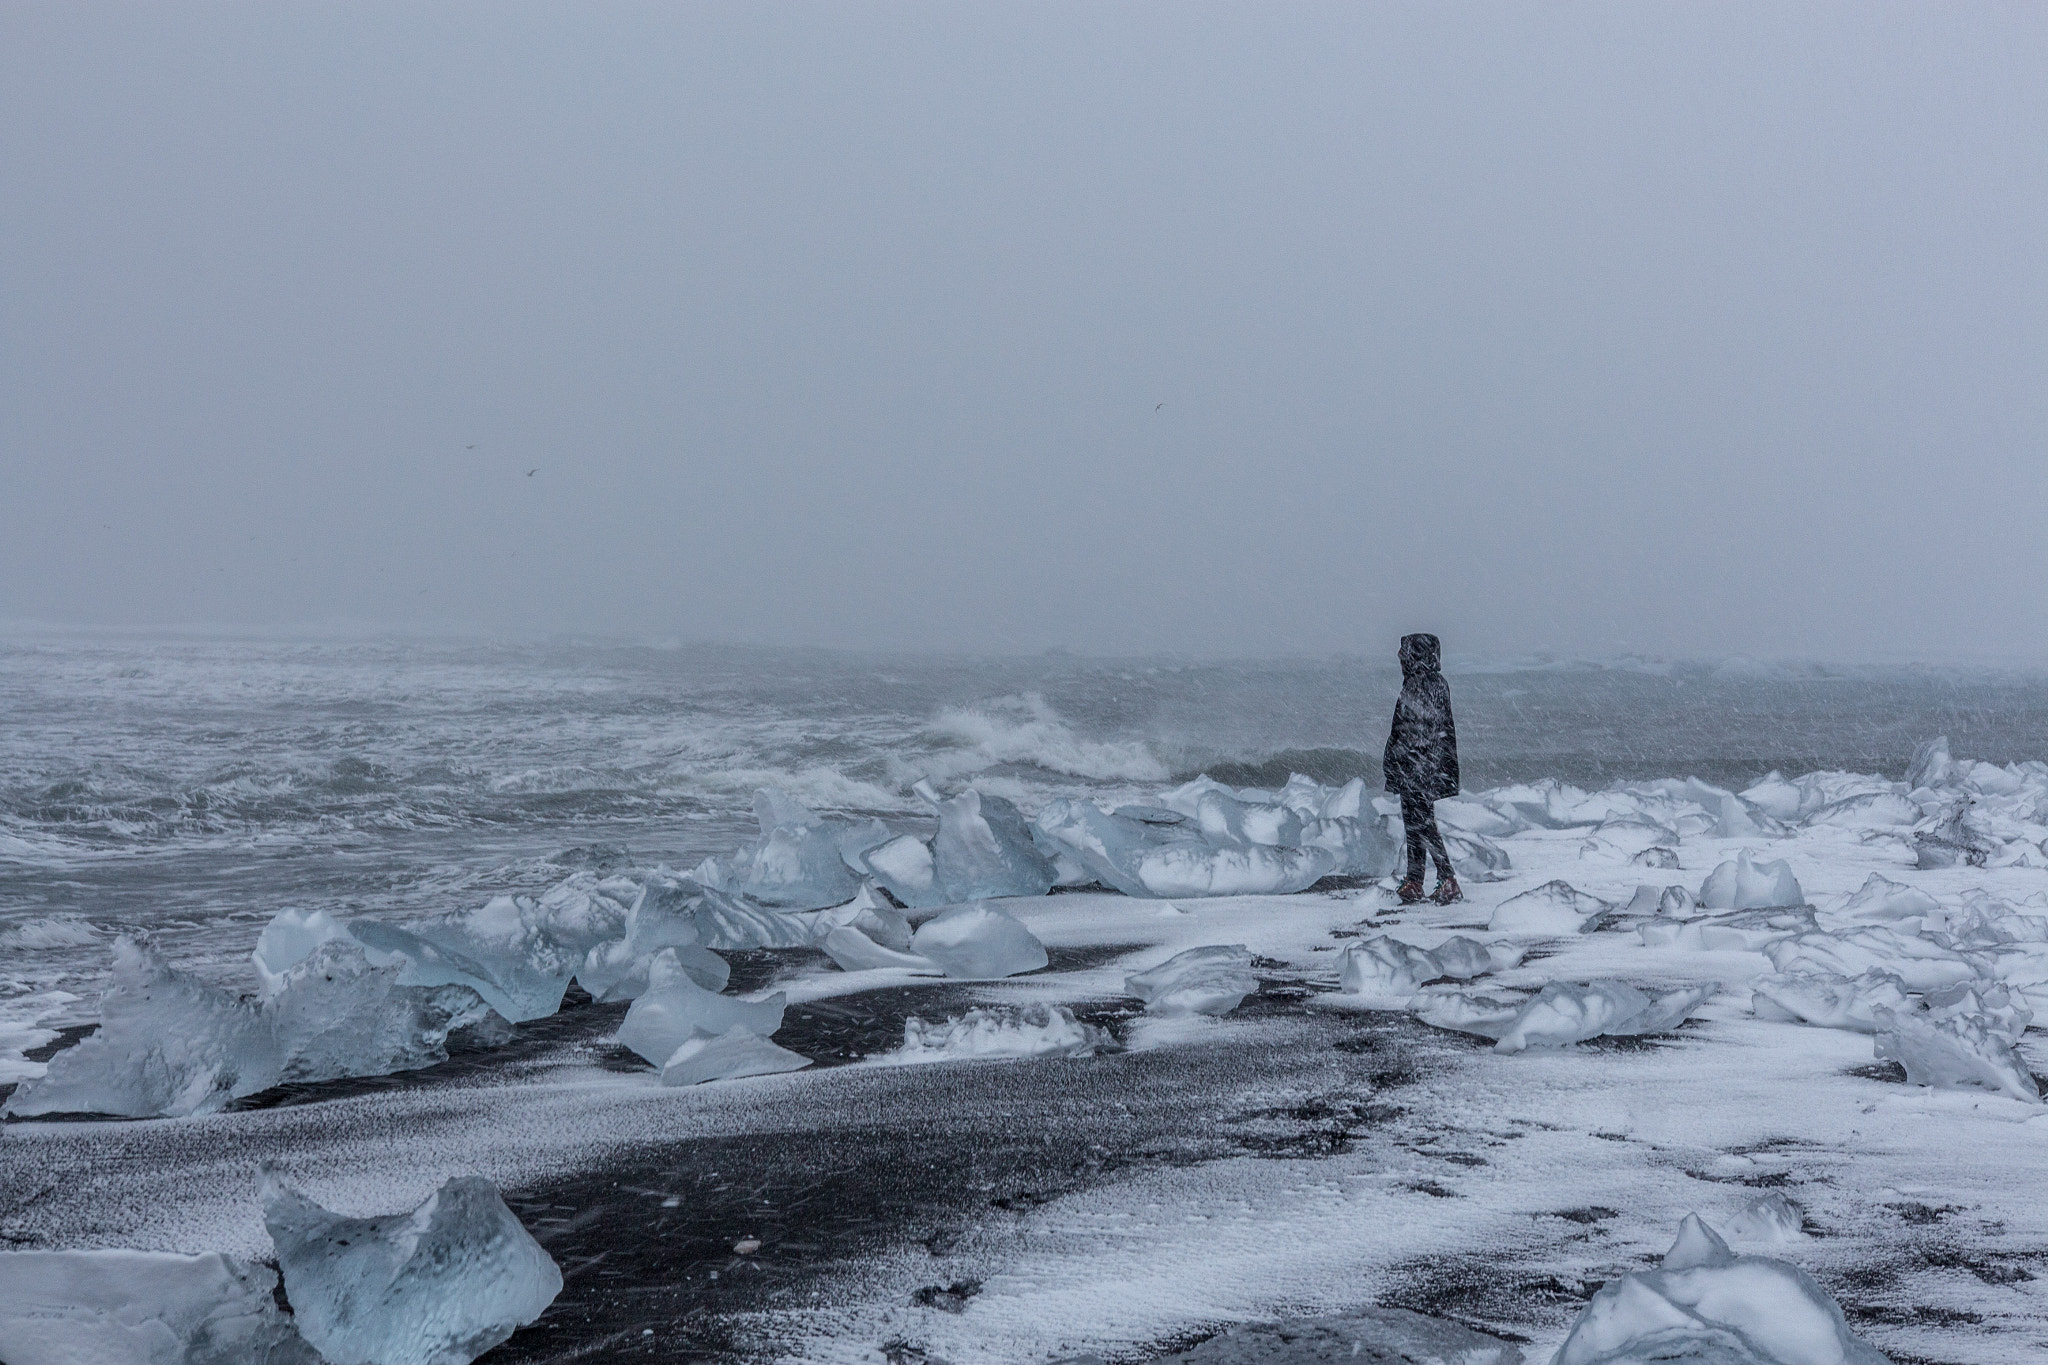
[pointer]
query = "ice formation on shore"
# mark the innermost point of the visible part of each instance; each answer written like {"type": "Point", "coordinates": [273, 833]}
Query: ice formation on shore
{"type": "Point", "coordinates": [125, 1307]}
{"type": "Point", "coordinates": [166, 1045]}
{"type": "Point", "coordinates": [1208, 980]}
{"type": "Point", "coordinates": [730, 1055]}
{"type": "Point", "coordinates": [436, 1285]}
{"type": "Point", "coordinates": [1708, 1305]}
{"type": "Point", "coordinates": [977, 943]}
{"type": "Point", "coordinates": [1552, 909]}
{"type": "Point", "coordinates": [674, 1009]}
{"type": "Point", "coordinates": [1001, 1031]}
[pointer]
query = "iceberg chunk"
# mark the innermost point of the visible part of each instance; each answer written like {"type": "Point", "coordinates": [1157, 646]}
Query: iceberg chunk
{"type": "Point", "coordinates": [983, 849]}
{"type": "Point", "coordinates": [1563, 1014]}
{"type": "Point", "coordinates": [501, 950]}
{"type": "Point", "coordinates": [854, 951]}
{"type": "Point", "coordinates": [1770, 1219]}
{"type": "Point", "coordinates": [335, 1014]}
{"type": "Point", "coordinates": [1554, 908]}
{"type": "Point", "coordinates": [437, 1285]}
{"type": "Point", "coordinates": [1384, 968]}
{"type": "Point", "coordinates": [1827, 1000]}
{"type": "Point", "coordinates": [1707, 1305]}
{"type": "Point", "coordinates": [142, 1308]}
{"type": "Point", "coordinates": [1208, 980]}
{"type": "Point", "coordinates": [1743, 883]}
{"type": "Point", "coordinates": [583, 910]}
{"type": "Point", "coordinates": [1462, 958]}
{"type": "Point", "coordinates": [662, 915]}
{"type": "Point", "coordinates": [1464, 1010]}
{"type": "Point", "coordinates": [978, 943]}
{"type": "Point", "coordinates": [734, 923]}
{"type": "Point", "coordinates": [1144, 858]}
{"type": "Point", "coordinates": [795, 864]}
{"type": "Point", "coordinates": [904, 866]}
{"type": "Point", "coordinates": [1960, 1050]}
{"type": "Point", "coordinates": [1921, 963]}
{"type": "Point", "coordinates": [289, 939]}
{"type": "Point", "coordinates": [735, 1053]}
{"type": "Point", "coordinates": [1738, 931]}
{"type": "Point", "coordinates": [167, 1045]}
{"type": "Point", "coordinates": [1621, 837]}
{"type": "Point", "coordinates": [674, 1009]}
{"type": "Point", "coordinates": [1000, 1031]}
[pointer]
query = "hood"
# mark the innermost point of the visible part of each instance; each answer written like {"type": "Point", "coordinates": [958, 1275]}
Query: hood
{"type": "Point", "coordinates": [1419, 654]}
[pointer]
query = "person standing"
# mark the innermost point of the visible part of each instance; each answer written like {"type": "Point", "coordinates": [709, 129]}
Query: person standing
{"type": "Point", "coordinates": [1421, 765]}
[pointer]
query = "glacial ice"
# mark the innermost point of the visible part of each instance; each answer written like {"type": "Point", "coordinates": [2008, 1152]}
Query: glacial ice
{"type": "Point", "coordinates": [167, 1045]}
{"type": "Point", "coordinates": [795, 864]}
{"type": "Point", "coordinates": [735, 1053]}
{"type": "Point", "coordinates": [868, 912]}
{"type": "Point", "coordinates": [904, 865]}
{"type": "Point", "coordinates": [1385, 969]}
{"type": "Point", "coordinates": [674, 1008]}
{"type": "Point", "coordinates": [1465, 1010]}
{"type": "Point", "coordinates": [733, 923]}
{"type": "Point", "coordinates": [437, 1285]}
{"type": "Point", "coordinates": [1209, 980]}
{"type": "Point", "coordinates": [1145, 859]}
{"type": "Point", "coordinates": [662, 914]}
{"type": "Point", "coordinates": [1883, 899]}
{"type": "Point", "coordinates": [1770, 1219]}
{"type": "Point", "coordinates": [1461, 958]}
{"type": "Point", "coordinates": [978, 943]}
{"type": "Point", "coordinates": [1995, 1005]}
{"type": "Point", "coordinates": [854, 951]}
{"type": "Point", "coordinates": [983, 848]}
{"type": "Point", "coordinates": [1961, 1050]}
{"type": "Point", "coordinates": [503, 950]}
{"type": "Point", "coordinates": [1921, 963]}
{"type": "Point", "coordinates": [1207, 840]}
{"type": "Point", "coordinates": [335, 1014]}
{"type": "Point", "coordinates": [1737, 931]}
{"type": "Point", "coordinates": [1743, 883]}
{"type": "Point", "coordinates": [1707, 1306]}
{"type": "Point", "coordinates": [1554, 908]}
{"type": "Point", "coordinates": [1563, 1013]}
{"type": "Point", "coordinates": [1005, 1031]}
{"type": "Point", "coordinates": [1827, 1000]}
{"type": "Point", "coordinates": [290, 938]}
{"type": "Point", "coordinates": [1621, 837]}
{"type": "Point", "coordinates": [142, 1308]}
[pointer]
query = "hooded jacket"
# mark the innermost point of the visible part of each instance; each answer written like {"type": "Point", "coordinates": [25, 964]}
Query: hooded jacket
{"type": "Point", "coordinates": [1422, 750]}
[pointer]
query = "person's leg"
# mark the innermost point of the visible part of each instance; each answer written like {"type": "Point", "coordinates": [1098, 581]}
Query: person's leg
{"type": "Point", "coordinates": [1416, 816]}
{"type": "Point", "coordinates": [1435, 839]}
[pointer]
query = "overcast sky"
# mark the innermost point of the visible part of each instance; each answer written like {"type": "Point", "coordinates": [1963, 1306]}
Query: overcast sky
{"type": "Point", "coordinates": [1680, 328]}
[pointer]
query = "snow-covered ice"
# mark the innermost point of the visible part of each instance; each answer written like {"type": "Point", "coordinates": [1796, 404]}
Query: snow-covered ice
{"type": "Point", "coordinates": [1552, 909]}
{"type": "Point", "coordinates": [1213, 979]}
{"type": "Point", "coordinates": [436, 1285]}
{"type": "Point", "coordinates": [1038, 1030]}
{"type": "Point", "coordinates": [1743, 883]}
{"type": "Point", "coordinates": [1959, 1050]}
{"type": "Point", "coordinates": [1707, 1306]}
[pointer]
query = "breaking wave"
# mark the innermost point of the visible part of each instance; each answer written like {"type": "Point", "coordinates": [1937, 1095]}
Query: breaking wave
{"type": "Point", "coordinates": [1024, 730]}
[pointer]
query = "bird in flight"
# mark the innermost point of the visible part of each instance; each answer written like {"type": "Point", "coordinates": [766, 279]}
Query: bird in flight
{"type": "Point", "coordinates": [469, 447]}
{"type": "Point", "coordinates": [1157, 406]}
{"type": "Point", "coordinates": [531, 472]}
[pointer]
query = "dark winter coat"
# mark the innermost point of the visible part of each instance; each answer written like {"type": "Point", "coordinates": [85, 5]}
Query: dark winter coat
{"type": "Point", "coordinates": [1422, 751]}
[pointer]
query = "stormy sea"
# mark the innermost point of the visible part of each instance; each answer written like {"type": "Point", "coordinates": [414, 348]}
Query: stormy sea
{"type": "Point", "coordinates": [1104, 1179]}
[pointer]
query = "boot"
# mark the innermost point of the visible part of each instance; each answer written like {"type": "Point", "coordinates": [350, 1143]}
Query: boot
{"type": "Point", "coordinates": [1410, 891]}
{"type": "Point", "coordinates": [1447, 892]}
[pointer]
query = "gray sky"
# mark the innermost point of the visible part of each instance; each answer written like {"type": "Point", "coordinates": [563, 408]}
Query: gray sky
{"type": "Point", "coordinates": [1684, 328]}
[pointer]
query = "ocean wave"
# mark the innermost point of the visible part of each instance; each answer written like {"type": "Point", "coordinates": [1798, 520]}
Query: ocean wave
{"type": "Point", "coordinates": [56, 931]}
{"type": "Point", "coordinates": [1026, 730]}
